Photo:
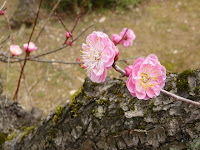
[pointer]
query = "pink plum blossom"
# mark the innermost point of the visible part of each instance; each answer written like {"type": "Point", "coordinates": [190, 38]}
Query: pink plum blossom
{"type": "Point", "coordinates": [146, 78]}
{"type": "Point", "coordinates": [116, 38]}
{"type": "Point", "coordinates": [98, 55]}
{"type": "Point", "coordinates": [68, 34]}
{"type": "Point", "coordinates": [127, 38]}
{"type": "Point", "coordinates": [29, 47]}
{"type": "Point", "coordinates": [129, 70]}
{"type": "Point", "coordinates": [15, 50]}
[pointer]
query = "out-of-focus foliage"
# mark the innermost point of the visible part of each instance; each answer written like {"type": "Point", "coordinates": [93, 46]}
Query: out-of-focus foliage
{"type": "Point", "coordinates": [73, 5]}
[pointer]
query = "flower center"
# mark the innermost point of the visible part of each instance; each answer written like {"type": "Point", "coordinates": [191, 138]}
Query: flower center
{"type": "Point", "coordinates": [145, 81]}
{"type": "Point", "coordinates": [145, 78]}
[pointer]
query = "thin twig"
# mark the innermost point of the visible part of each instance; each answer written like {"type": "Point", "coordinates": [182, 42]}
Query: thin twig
{"type": "Point", "coordinates": [118, 69]}
{"type": "Point", "coordinates": [22, 70]}
{"type": "Point", "coordinates": [62, 47]}
{"type": "Point", "coordinates": [8, 68]}
{"type": "Point", "coordinates": [51, 13]}
{"type": "Point", "coordinates": [122, 37]}
{"type": "Point", "coordinates": [79, 16]}
{"type": "Point", "coordinates": [4, 41]}
{"type": "Point", "coordinates": [59, 18]}
{"type": "Point", "coordinates": [3, 5]}
{"type": "Point", "coordinates": [9, 27]}
{"type": "Point", "coordinates": [180, 98]}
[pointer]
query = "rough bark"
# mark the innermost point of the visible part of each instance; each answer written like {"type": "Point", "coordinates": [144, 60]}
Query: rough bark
{"type": "Point", "coordinates": [14, 118]}
{"type": "Point", "coordinates": [106, 117]}
{"type": "Point", "coordinates": [25, 13]}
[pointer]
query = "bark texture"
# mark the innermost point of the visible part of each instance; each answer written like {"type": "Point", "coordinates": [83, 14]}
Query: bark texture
{"type": "Point", "coordinates": [106, 117]}
{"type": "Point", "coordinates": [25, 13]}
{"type": "Point", "coordinates": [14, 119]}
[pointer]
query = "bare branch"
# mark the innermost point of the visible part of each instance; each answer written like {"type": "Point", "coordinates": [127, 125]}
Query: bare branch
{"type": "Point", "coordinates": [180, 98]}
{"type": "Point", "coordinates": [51, 13]}
{"type": "Point", "coordinates": [22, 70]}
{"type": "Point", "coordinates": [3, 5]}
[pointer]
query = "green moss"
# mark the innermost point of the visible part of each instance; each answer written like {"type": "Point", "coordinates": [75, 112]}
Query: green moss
{"type": "Point", "coordinates": [75, 108]}
{"type": "Point", "coordinates": [51, 133]}
{"type": "Point", "coordinates": [113, 133]}
{"type": "Point", "coordinates": [58, 113]}
{"type": "Point", "coordinates": [133, 108]}
{"type": "Point", "coordinates": [182, 80]}
{"type": "Point", "coordinates": [3, 137]}
{"type": "Point", "coordinates": [169, 88]}
{"type": "Point", "coordinates": [102, 101]}
{"type": "Point", "coordinates": [197, 90]}
{"type": "Point", "coordinates": [11, 136]}
{"type": "Point", "coordinates": [195, 144]}
{"type": "Point", "coordinates": [75, 95]}
{"type": "Point", "coordinates": [76, 105]}
{"type": "Point", "coordinates": [119, 111]}
{"type": "Point", "coordinates": [27, 131]}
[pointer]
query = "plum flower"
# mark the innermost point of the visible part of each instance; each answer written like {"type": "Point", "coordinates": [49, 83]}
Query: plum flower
{"type": "Point", "coordinates": [98, 55]}
{"type": "Point", "coordinates": [127, 38]}
{"type": "Point", "coordinates": [29, 47]}
{"type": "Point", "coordinates": [15, 50]}
{"type": "Point", "coordinates": [116, 38]}
{"type": "Point", "coordinates": [147, 78]}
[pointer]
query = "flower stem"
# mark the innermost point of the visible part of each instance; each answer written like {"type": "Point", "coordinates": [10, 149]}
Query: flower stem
{"type": "Point", "coordinates": [180, 98]}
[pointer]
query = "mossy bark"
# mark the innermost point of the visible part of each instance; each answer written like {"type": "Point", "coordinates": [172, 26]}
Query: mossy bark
{"type": "Point", "coordinates": [105, 116]}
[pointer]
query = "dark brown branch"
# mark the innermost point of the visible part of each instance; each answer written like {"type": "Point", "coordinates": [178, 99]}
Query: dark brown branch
{"type": "Point", "coordinates": [22, 70]}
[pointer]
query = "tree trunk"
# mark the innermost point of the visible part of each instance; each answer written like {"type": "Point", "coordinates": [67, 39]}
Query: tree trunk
{"type": "Point", "coordinates": [106, 117]}
{"type": "Point", "coordinates": [25, 13]}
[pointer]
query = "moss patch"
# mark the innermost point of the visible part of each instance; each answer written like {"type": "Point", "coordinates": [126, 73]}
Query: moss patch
{"type": "Point", "coordinates": [58, 113]}
{"type": "Point", "coordinates": [102, 101]}
{"type": "Point", "coordinates": [27, 131]}
{"type": "Point", "coordinates": [3, 137]}
{"type": "Point", "coordinates": [197, 90]}
{"type": "Point", "coordinates": [11, 136]}
{"type": "Point", "coordinates": [182, 80]}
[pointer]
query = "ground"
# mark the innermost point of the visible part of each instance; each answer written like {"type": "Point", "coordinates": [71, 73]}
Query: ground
{"type": "Point", "coordinates": [169, 29]}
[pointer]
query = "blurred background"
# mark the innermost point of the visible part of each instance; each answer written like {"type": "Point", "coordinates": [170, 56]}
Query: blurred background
{"type": "Point", "coordinates": [168, 28]}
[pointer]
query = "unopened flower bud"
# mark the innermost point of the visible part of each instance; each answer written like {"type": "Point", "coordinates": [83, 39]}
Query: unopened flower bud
{"type": "Point", "coordinates": [129, 69]}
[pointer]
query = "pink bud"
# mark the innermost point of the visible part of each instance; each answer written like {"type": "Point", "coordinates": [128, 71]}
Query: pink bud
{"type": "Point", "coordinates": [68, 34]}
{"type": "Point", "coordinates": [81, 65]}
{"type": "Point", "coordinates": [78, 59]}
{"type": "Point", "coordinates": [116, 53]}
{"type": "Point", "coordinates": [15, 50]}
{"type": "Point", "coordinates": [2, 12]}
{"type": "Point", "coordinates": [29, 47]}
{"type": "Point", "coordinates": [70, 43]}
{"type": "Point", "coordinates": [129, 70]}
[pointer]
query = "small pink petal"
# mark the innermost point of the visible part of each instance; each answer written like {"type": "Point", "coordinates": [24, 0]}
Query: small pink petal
{"type": "Point", "coordinates": [15, 50]}
{"type": "Point", "coordinates": [29, 47]}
